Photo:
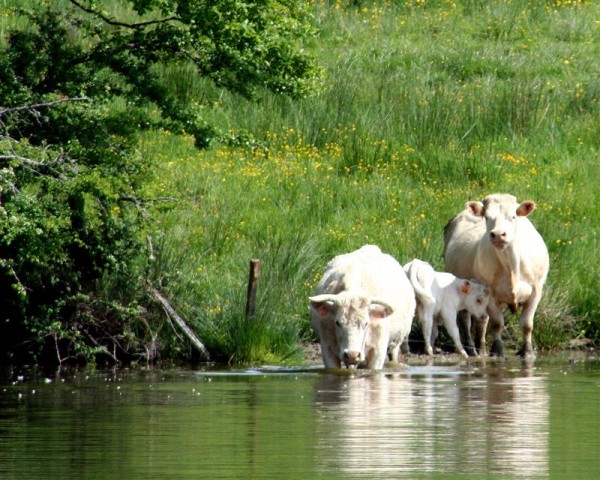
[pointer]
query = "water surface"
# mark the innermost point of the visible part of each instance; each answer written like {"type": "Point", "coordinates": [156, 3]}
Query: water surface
{"type": "Point", "coordinates": [462, 420]}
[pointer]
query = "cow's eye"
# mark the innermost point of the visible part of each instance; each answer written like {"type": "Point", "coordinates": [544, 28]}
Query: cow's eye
{"type": "Point", "coordinates": [338, 323]}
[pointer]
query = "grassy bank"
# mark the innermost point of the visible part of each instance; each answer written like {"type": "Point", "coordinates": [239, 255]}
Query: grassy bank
{"type": "Point", "coordinates": [427, 105]}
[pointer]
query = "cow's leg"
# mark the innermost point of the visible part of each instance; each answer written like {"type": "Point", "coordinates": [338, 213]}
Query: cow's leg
{"type": "Point", "coordinates": [497, 322]}
{"type": "Point", "coordinates": [393, 349]}
{"type": "Point", "coordinates": [529, 308]}
{"type": "Point", "coordinates": [426, 317]}
{"type": "Point", "coordinates": [405, 347]}
{"type": "Point", "coordinates": [480, 333]}
{"type": "Point", "coordinates": [376, 359]}
{"type": "Point", "coordinates": [377, 349]}
{"type": "Point", "coordinates": [463, 322]}
{"type": "Point", "coordinates": [434, 333]}
{"type": "Point", "coordinates": [449, 319]}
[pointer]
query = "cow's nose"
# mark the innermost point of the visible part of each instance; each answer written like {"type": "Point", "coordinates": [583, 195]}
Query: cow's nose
{"type": "Point", "coordinates": [498, 235]}
{"type": "Point", "coordinates": [351, 358]}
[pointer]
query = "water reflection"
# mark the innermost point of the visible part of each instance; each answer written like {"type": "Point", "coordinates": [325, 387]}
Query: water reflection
{"type": "Point", "coordinates": [467, 421]}
{"type": "Point", "coordinates": [492, 421]}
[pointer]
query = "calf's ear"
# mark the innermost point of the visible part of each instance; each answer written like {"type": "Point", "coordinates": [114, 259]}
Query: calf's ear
{"type": "Point", "coordinates": [525, 208]}
{"type": "Point", "coordinates": [465, 287]}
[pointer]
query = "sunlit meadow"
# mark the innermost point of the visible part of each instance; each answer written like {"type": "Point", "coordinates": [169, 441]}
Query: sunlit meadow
{"type": "Point", "coordinates": [426, 105]}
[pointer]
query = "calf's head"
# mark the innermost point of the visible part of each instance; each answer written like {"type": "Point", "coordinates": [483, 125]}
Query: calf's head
{"type": "Point", "coordinates": [501, 213]}
{"type": "Point", "coordinates": [476, 298]}
{"type": "Point", "coordinates": [352, 316]}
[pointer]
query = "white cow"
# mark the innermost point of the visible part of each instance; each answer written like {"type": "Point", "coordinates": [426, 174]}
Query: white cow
{"type": "Point", "coordinates": [363, 303]}
{"type": "Point", "coordinates": [440, 296]}
{"type": "Point", "coordinates": [494, 242]}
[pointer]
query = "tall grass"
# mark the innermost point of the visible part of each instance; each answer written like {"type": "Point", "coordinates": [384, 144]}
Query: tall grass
{"type": "Point", "coordinates": [427, 105]}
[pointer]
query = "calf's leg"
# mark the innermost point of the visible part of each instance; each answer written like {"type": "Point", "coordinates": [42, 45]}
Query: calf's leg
{"type": "Point", "coordinates": [449, 320]}
{"type": "Point", "coordinates": [463, 322]}
{"type": "Point", "coordinates": [425, 313]}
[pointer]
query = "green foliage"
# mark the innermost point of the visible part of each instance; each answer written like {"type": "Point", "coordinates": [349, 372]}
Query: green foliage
{"type": "Point", "coordinates": [78, 82]}
{"type": "Point", "coordinates": [427, 105]}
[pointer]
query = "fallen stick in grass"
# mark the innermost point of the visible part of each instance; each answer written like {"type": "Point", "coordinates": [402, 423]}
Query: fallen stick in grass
{"type": "Point", "coordinates": [172, 314]}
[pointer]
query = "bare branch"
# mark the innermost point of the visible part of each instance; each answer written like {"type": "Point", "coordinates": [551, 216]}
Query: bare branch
{"type": "Point", "coordinates": [36, 166]}
{"type": "Point", "coordinates": [35, 106]}
{"type": "Point", "coordinates": [116, 23]}
{"type": "Point", "coordinates": [141, 202]}
{"type": "Point", "coordinates": [170, 311]}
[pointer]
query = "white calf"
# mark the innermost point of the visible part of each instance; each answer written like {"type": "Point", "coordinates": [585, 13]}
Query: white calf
{"type": "Point", "coordinates": [440, 296]}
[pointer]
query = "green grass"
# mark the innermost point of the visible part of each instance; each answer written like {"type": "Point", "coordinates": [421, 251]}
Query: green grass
{"type": "Point", "coordinates": [426, 105]}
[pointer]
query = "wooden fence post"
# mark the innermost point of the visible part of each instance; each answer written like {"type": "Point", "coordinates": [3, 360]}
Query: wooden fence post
{"type": "Point", "coordinates": [252, 287]}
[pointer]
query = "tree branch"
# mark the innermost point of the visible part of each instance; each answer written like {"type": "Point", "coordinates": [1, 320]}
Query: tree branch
{"type": "Point", "coordinates": [170, 311]}
{"type": "Point", "coordinates": [36, 166]}
{"type": "Point", "coordinates": [139, 202]}
{"type": "Point", "coordinates": [35, 106]}
{"type": "Point", "coordinates": [116, 23]}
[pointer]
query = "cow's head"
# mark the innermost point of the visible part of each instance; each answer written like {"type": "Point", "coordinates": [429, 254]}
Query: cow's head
{"type": "Point", "coordinates": [501, 213]}
{"type": "Point", "coordinates": [476, 298]}
{"type": "Point", "coordinates": [352, 316]}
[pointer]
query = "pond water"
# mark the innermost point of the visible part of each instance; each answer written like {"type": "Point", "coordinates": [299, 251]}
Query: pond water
{"type": "Point", "coordinates": [443, 420]}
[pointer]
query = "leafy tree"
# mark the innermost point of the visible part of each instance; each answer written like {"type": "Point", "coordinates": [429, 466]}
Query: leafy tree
{"type": "Point", "coordinates": [71, 215]}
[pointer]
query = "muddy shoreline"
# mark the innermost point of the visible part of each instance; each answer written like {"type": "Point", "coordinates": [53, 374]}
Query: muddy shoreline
{"type": "Point", "coordinates": [311, 353]}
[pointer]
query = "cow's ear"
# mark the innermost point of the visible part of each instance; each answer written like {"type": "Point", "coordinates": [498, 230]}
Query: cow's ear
{"type": "Point", "coordinates": [379, 310]}
{"type": "Point", "coordinates": [476, 208]}
{"type": "Point", "coordinates": [465, 287]}
{"type": "Point", "coordinates": [525, 208]}
{"type": "Point", "coordinates": [324, 305]}
{"type": "Point", "coordinates": [322, 308]}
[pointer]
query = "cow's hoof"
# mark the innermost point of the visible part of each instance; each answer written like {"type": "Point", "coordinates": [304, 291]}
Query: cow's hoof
{"type": "Point", "coordinates": [470, 349]}
{"type": "Point", "coordinates": [527, 352]}
{"type": "Point", "coordinates": [497, 348]}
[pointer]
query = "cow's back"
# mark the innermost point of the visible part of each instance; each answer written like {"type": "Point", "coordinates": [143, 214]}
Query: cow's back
{"type": "Point", "coordinates": [533, 252]}
{"type": "Point", "coordinates": [462, 235]}
{"type": "Point", "coordinates": [346, 271]}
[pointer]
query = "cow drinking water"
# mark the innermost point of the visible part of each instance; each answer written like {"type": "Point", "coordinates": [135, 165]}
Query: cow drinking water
{"type": "Point", "coordinates": [363, 304]}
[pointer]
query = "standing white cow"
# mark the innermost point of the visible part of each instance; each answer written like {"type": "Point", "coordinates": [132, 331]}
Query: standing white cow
{"type": "Point", "coordinates": [363, 304]}
{"type": "Point", "coordinates": [440, 296]}
{"type": "Point", "coordinates": [494, 242]}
